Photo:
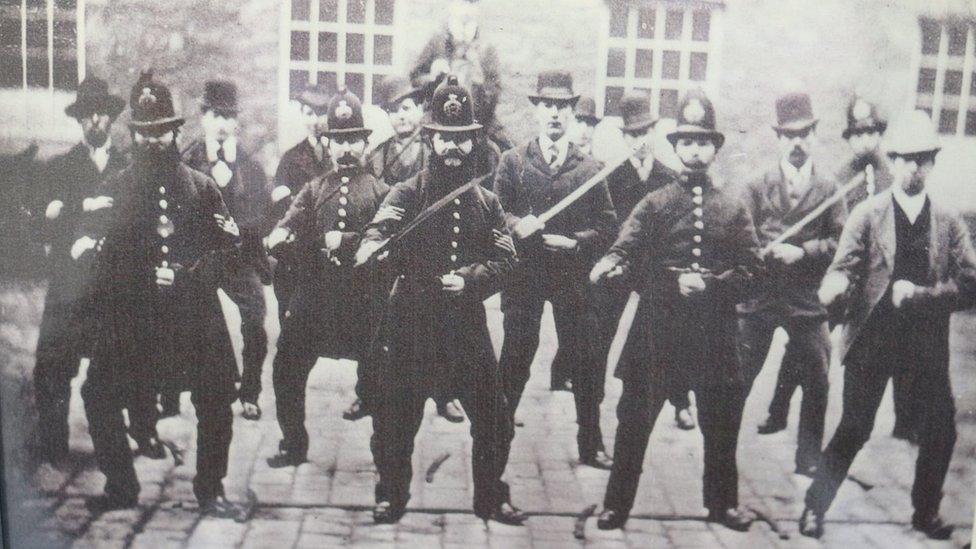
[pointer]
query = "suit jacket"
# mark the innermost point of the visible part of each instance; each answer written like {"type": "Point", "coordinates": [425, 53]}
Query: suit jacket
{"type": "Point", "coordinates": [297, 167]}
{"type": "Point", "coordinates": [165, 336]}
{"type": "Point", "coordinates": [627, 189]}
{"type": "Point", "coordinates": [792, 290]}
{"type": "Point", "coordinates": [525, 185]}
{"type": "Point", "coordinates": [866, 256]}
{"type": "Point", "coordinates": [71, 178]}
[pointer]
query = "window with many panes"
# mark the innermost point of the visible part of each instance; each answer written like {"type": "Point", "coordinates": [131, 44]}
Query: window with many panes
{"type": "Point", "coordinates": [946, 75]}
{"type": "Point", "coordinates": [661, 48]}
{"type": "Point", "coordinates": [340, 42]}
{"type": "Point", "coordinates": [39, 44]}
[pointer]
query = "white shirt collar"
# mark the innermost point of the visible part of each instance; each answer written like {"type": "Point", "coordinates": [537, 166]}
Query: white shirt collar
{"type": "Point", "coordinates": [798, 177]}
{"type": "Point", "coordinates": [99, 155]}
{"type": "Point", "coordinates": [562, 146]}
{"type": "Point", "coordinates": [229, 145]}
{"type": "Point", "coordinates": [911, 205]}
{"type": "Point", "coordinates": [643, 168]}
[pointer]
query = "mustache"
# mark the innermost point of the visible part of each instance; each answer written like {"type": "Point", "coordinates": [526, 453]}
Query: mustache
{"type": "Point", "coordinates": [347, 158]}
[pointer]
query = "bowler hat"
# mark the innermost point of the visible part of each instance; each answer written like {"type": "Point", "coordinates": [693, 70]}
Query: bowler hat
{"type": "Point", "coordinates": [862, 117]}
{"type": "Point", "coordinates": [554, 86]}
{"type": "Point", "coordinates": [636, 112]}
{"type": "Point", "coordinates": [220, 95]}
{"type": "Point", "coordinates": [152, 105]}
{"type": "Point", "coordinates": [452, 108]}
{"type": "Point", "coordinates": [912, 133]}
{"type": "Point", "coordinates": [345, 116]}
{"type": "Point", "coordinates": [586, 111]}
{"type": "Point", "coordinates": [395, 88]}
{"type": "Point", "coordinates": [93, 97]}
{"type": "Point", "coordinates": [696, 119]}
{"type": "Point", "coordinates": [794, 112]}
{"type": "Point", "coordinates": [316, 98]}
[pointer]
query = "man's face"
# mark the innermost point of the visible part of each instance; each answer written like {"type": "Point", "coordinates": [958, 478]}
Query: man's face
{"type": "Point", "coordinates": [796, 145]}
{"type": "Point", "coordinates": [150, 140]}
{"type": "Point", "coordinates": [452, 147]}
{"type": "Point", "coordinates": [696, 153]}
{"type": "Point", "coordinates": [863, 143]}
{"type": "Point", "coordinates": [313, 122]}
{"type": "Point", "coordinates": [583, 134]}
{"type": "Point", "coordinates": [462, 22]}
{"type": "Point", "coordinates": [646, 148]}
{"type": "Point", "coordinates": [912, 171]}
{"type": "Point", "coordinates": [219, 125]}
{"type": "Point", "coordinates": [553, 117]}
{"type": "Point", "coordinates": [405, 116]}
{"type": "Point", "coordinates": [96, 128]}
{"type": "Point", "coordinates": [347, 150]}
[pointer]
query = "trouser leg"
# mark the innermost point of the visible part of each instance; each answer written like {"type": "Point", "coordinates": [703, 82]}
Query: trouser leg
{"type": "Point", "coordinates": [244, 288]}
{"type": "Point", "coordinates": [522, 320]}
{"type": "Point", "coordinates": [864, 385]}
{"type": "Point", "coordinates": [143, 413]}
{"type": "Point", "coordinates": [103, 407]}
{"type": "Point", "coordinates": [215, 422]}
{"type": "Point", "coordinates": [786, 384]}
{"type": "Point", "coordinates": [936, 439]}
{"type": "Point", "coordinates": [396, 420]}
{"type": "Point", "coordinates": [637, 411]}
{"type": "Point", "coordinates": [720, 408]}
{"type": "Point", "coordinates": [808, 354]}
{"type": "Point", "coordinates": [289, 376]}
{"type": "Point", "coordinates": [907, 407]}
{"type": "Point", "coordinates": [588, 374]}
{"type": "Point", "coordinates": [57, 358]}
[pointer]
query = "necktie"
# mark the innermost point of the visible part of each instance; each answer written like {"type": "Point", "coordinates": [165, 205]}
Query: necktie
{"type": "Point", "coordinates": [553, 156]}
{"type": "Point", "coordinates": [220, 171]}
{"type": "Point", "coordinates": [100, 158]}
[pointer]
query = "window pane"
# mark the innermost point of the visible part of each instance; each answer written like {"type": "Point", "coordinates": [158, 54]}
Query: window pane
{"type": "Point", "coordinates": [971, 123]}
{"type": "Point", "coordinates": [931, 35]}
{"type": "Point", "coordinates": [382, 49]}
{"type": "Point", "coordinates": [37, 65]}
{"type": "Point", "coordinates": [673, 23]}
{"type": "Point", "coordinates": [618, 19]}
{"type": "Point", "coordinates": [972, 84]}
{"type": "Point", "coordinates": [297, 81]}
{"type": "Point", "coordinates": [926, 80]}
{"type": "Point", "coordinates": [384, 12]}
{"type": "Point", "coordinates": [299, 45]}
{"type": "Point", "coordinates": [947, 121]}
{"type": "Point", "coordinates": [957, 39]}
{"type": "Point", "coordinates": [355, 83]}
{"type": "Point", "coordinates": [328, 81]}
{"type": "Point", "coordinates": [356, 12]}
{"type": "Point", "coordinates": [615, 62]}
{"type": "Point", "coordinates": [671, 66]}
{"type": "Point", "coordinates": [669, 104]}
{"type": "Point", "coordinates": [65, 50]}
{"type": "Point", "coordinates": [299, 10]}
{"type": "Point", "coordinates": [377, 83]}
{"type": "Point", "coordinates": [355, 48]}
{"type": "Point", "coordinates": [699, 66]}
{"type": "Point", "coordinates": [328, 46]}
{"type": "Point", "coordinates": [700, 23]}
{"type": "Point", "coordinates": [611, 106]}
{"type": "Point", "coordinates": [644, 64]}
{"type": "Point", "coordinates": [953, 83]}
{"type": "Point", "coordinates": [329, 10]}
{"type": "Point", "coordinates": [11, 68]}
{"type": "Point", "coordinates": [645, 22]}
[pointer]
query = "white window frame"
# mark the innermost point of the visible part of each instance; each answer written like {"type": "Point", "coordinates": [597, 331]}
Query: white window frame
{"type": "Point", "coordinates": [630, 43]}
{"type": "Point", "coordinates": [942, 62]}
{"type": "Point", "coordinates": [32, 112]}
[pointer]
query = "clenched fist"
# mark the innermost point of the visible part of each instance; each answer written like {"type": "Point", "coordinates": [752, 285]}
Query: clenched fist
{"type": "Point", "coordinates": [690, 284]}
{"type": "Point", "coordinates": [53, 209]}
{"type": "Point", "coordinates": [900, 291]}
{"type": "Point", "coordinates": [833, 286]}
{"type": "Point", "coordinates": [452, 283]}
{"type": "Point", "coordinates": [97, 203]}
{"type": "Point", "coordinates": [528, 226]}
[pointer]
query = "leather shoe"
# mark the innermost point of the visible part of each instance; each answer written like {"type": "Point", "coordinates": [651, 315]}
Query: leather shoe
{"type": "Point", "coordinates": [387, 513]}
{"type": "Point", "coordinates": [771, 425]}
{"type": "Point", "coordinates": [811, 523]}
{"type": "Point", "coordinates": [733, 518]}
{"type": "Point", "coordinates": [684, 419]}
{"type": "Point", "coordinates": [220, 507]}
{"type": "Point", "coordinates": [356, 411]}
{"type": "Point", "coordinates": [151, 448]}
{"type": "Point", "coordinates": [251, 411]}
{"type": "Point", "coordinates": [506, 513]}
{"type": "Point", "coordinates": [611, 520]}
{"type": "Point", "coordinates": [598, 460]}
{"type": "Point", "coordinates": [933, 527]}
{"type": "Point", "coordinates": [110, 502]}
{"type": "Point", "coordinates": [451, 411]}
{"type": "Point", "coordinates": [286, 458]}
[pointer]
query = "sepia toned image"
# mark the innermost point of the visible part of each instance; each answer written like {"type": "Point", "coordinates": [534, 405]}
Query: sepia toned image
{"type": "Point", "coordinates": [487, 273]}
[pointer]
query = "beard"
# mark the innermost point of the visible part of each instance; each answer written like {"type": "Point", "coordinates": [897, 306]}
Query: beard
{"type": "Point", "coordinates": [155, 163]}
{"type": "Point", "coordinates": [450, 171]}
{"type": "Point", "coordinates": [798, 156]}
{"type": "Point", "coordinates": [347, 161]}
{"type": "Point", "coordinates": [96, 137]}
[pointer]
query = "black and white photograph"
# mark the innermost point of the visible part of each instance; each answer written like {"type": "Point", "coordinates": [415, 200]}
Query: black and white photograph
{"type": "Point", "coordinates": [487, 273]}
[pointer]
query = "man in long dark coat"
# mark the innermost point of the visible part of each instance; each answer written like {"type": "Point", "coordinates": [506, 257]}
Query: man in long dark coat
{"type": "Point", "coordinates": [68, 194]}
{"type": "Point", "coordinates": [161, 328]}
{"type": "Point", "coordinates": [329, 315]}
{"type": "Point", "coordinates": [693, 245]}
{"type": "Point", "coordinates": [244, 188]}
{"type": "Point", "coordinates": [435, 332]}
{"type": "Point", "coordinates": [531, 179]}
{"type": "Point", "coordinates": [905, 262]}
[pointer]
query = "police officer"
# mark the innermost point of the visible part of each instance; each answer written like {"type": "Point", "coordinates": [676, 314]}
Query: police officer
{"type": "Point", "coordinates": [692, 244]}
{"type": "Point", "coordinates": [435, 332]}
{"type": "Point", "coordinates": [328, 314]}
{"type": "Point", "coordinates": [245, 190]}
{"type": "Point", "coordinates": [530, 179]}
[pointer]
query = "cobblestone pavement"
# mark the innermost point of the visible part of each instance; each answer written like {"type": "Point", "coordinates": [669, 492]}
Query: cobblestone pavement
{"type": "Point", "coordinates": [326, 502]}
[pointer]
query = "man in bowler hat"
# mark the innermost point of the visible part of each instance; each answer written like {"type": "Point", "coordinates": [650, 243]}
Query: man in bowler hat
{"type": "Point", "coordinates": [246, 193]}
{"type": "Point", "coordinates": [586, 121]}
